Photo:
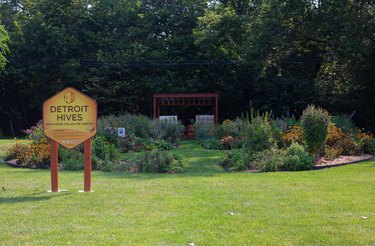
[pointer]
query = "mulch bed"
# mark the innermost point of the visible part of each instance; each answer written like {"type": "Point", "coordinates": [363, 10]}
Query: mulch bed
{"type": "Point", "coordinates": [17, 164]}
{"type": "Point", "coordinates": [342, 160]}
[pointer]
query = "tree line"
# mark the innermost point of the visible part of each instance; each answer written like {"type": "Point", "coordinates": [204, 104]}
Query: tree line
{"type": "Point", "coordinates": [281, 55]}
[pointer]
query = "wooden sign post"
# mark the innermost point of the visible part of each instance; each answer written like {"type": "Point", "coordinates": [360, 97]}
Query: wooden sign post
{"type": "Point", "coordinates": [70, 119]}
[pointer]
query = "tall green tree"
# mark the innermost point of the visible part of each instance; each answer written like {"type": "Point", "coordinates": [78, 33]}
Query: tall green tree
{"type": "Point", "coordinates": [4, 40]}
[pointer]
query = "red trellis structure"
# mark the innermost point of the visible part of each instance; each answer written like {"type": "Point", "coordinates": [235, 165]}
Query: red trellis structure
{"type": "Point", "coordinates": [187, 99]}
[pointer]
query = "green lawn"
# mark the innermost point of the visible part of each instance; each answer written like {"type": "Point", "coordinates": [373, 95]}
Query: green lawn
{"type": "Point", "coordinates": [4, 145]}
{"type": "Point", "coordinates": [203, 205]}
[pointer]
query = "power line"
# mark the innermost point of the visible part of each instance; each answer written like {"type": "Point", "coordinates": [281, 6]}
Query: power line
{"type": "Point", "coordinates": [127, 63]}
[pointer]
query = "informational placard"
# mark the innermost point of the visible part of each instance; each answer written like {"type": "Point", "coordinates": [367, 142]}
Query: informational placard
{"type": "Point", "coordinates": [121, 132]}
{"type": "Point", "coordinates": [70, 118]}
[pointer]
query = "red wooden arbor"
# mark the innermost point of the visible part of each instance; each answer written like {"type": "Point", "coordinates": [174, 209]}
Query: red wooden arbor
{"type": "Point", "coordinates": [187, 99]}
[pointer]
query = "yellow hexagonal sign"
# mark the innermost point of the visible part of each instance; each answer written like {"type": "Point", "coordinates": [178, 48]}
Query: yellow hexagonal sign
{"type": "Point", "coordinates": [70, 117]}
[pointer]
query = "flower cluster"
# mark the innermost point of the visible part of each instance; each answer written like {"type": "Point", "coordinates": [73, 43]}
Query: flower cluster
{"type": "Point", "coordinates": [294, 134]}
{"type": "Point", "coordinates": [35, 152]}
{"type": "Point", "coordinates": [30, 154]}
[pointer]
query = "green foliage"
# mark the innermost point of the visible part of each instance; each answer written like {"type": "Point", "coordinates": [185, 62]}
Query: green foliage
{"type": "Point", "coordinates": [297, 158]}
{"type": "Point", "coordinates": [71, 159]}
{"type": "Point", "coordinates": [4, 41]}
{"type": "Point", "coordinates": [237, 160]}
{"type": "Point", "coordinates": [315, 123]}
{"type": "Point", "coordinates": [345, 123]}
{"type": "Point", "coordinates": [212, 143]}
{"type": "Point", "coordinates": [283, 55]}
{"type": "Point", "coordinates": [259, 134]}
{"type": "Point", "coordinates": [269, 160]}
{"type": "Point", "coordinates": [135, 124]}
{"type": "Point", "coordinates": [371, 148]}
{"type": "Point", "coordinates": [332, 152]}
{"type": "Point", "coordinates": [167, 130]}
{"type": "Point", "coordinates": [161, 144]}
{"type": "Point", "coordinates": [204, 131]}
{"type": "Point", "coordinates": [132, 143]}
{"type": "Point", "coordinates": [36, 134]}
{"type": "Point", "coordinates": [103, 149]}
{"type": "Point", "coordinates": [152, 162]}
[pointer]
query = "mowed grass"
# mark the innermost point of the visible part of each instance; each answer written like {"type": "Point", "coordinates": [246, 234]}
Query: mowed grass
{"type": "Point", "coordinates": [203, 205]}
{"type": "Point", "coordinates": [5, 144]}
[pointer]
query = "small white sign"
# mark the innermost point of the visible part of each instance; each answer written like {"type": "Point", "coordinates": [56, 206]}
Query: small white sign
{"type": "Point", "coordinates": [121, 132]}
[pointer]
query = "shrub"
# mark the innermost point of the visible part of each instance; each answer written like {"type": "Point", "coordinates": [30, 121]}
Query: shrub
{"type": "Point", "coordinates": [236, 160]}
{"type": "Point", "coordinates": [372, 147]}
{"type": "Point", "coordinates": [297, 158]}
{"type": "Point", "coordinates": [343, 143]}
{"type": "Point", "coordinates": [269, 160]}
{"type": "Point", "coordinates": [138, 125]}
{"type": "Point", "coordinates": [71, 159]}
{"type": "Point", "coordinates": [345, 123]}
{"type": "Point", "coordinates": [161, 144]}
{"type": "Point", "coordinates": [228, 142]}
{"type": "Point", "coordinates": [294, 134]}
{"type": "Point", "coordinates": [109, 132]}
{"type": "Point", "coordinates": [36, 134]}
{"type": "Point", "coordinates": [233, 161]}
{"type": "Point", "coordinates": [204, 131]}
{"type": "Point", "coordinates": [167, 130]}
{"type": "Point", "coordinates": [30, 155]}
{"type": "Point", "coordinates": [103, 149]}
{"type": "Point", "coordinates": [160, 162]}
{"type": "Point", "coordinates": [131, 143]}
{"type": "Point", "coordinates": [259, 134]}
{"type": "Point", "coordinates": [366, 142]}
{"type": "Point", "coordinates": [332, 152]}
{"type": "Point", "coordinates": [129, 166]}
{"type": "Point", "coordinates": [36, 152]}
{"type": "Point", "coordinates": [21, 152]}
{"type": "Point", "coordinates": [315, 123]}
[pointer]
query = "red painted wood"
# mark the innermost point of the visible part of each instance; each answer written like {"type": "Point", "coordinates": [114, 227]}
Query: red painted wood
{"type": "Point", "coordinates": [54, 166]}
{"type": "Point", "coordinates": [87, 165]}
{"type": "Point", "coordinates": [182, 95]}
{"type": "Point", "coordinates": [187, 99]}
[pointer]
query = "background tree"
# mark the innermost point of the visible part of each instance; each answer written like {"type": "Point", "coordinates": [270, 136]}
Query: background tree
{"type": "Point", "coordinates": [281, 55]}
{"type": "Point", "coordinates": [4, 40]}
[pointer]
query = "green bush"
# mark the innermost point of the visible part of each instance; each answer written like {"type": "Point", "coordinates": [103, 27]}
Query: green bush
{"type": "Point", "coordinates": [161, 162]}
{"type": "Point", "coordinates": [297, 158]}
{"type": "Point", "coordinates": [239, 160]}
{"type": "Point", "coordinates": [344, 122]}
{"type": "Point", "coordinates": [71, 159]}
{"type": "Point", "coordinates": [103, 149]}
{"type": "Point", "coordinates": [236, 129]}
{"type": "Point", "coordinates": [132, 143]}
{"type": "Point", "coordinates": [161, 144]}
{"type": "Point", "coordinates": [138, 125]}
{"type": "Point", "coordinates": [259, 134]}
{"type": "Point", "coordinates": [332, 152]}
{"type": "Point", "coordinates": [371, 148]}
{"type": "Point", "coordinates": [269, 160]}
{"type": "Point", "coordinates": [315, 123]}
{"type": "Point", "coordinates": [167, 130]}
{"type": "Point", "coordinates": [204, 131]}
{"type": "Point", "coordinates": [109, 132]}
